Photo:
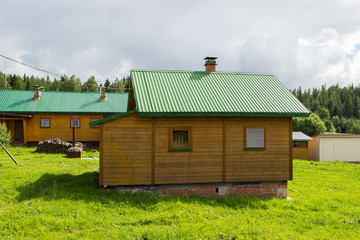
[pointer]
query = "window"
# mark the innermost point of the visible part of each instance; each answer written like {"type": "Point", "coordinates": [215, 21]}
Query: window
{"type": "Point", "coordinates": [180, 139]}
{"type": "Point", "coordinates": [92, 120]}
{"type": "Point", "coordinates": [255, 139]}
{"type": "Point", "coordinates": [77, 125]}
{"type": "Point", "coordinates": [45, 122]}
{"type": "Point", "coordinates": [300, 144]}
{"type": "Point", "coordinates": [296, 144]}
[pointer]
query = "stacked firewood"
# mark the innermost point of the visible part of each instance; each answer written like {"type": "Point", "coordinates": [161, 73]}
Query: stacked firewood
{"type": "Point", "coordinates": [55, 145]}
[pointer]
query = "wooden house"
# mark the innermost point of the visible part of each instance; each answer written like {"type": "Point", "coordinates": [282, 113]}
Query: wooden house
{"type": "Point", "coordinates": [300, 145]}
{"type": "Point", "coordinates": [329, 147]}
{"type": "Point", "coordinates": [216, 132]}
{"type": "Point", "coordinates": [37, 115]}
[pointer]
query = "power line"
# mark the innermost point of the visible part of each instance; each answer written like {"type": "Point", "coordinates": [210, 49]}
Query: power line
{"type": "Point", "coordinates": [27, 65]}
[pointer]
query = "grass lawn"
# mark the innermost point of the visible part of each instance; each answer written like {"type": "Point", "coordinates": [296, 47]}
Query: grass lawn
{"type": "Point", "coordinates": [52, 197]}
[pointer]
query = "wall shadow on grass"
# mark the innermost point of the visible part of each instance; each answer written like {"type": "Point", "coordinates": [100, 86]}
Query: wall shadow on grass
{"type": "Point", "coordinates": [85, 188]}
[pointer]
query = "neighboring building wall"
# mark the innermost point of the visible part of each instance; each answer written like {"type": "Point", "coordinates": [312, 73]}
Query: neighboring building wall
{"type": "Point", "coordinates": [60, 128]}
{"type": "Point", "coordinates": [344, 149]}
{"type": "Point", "coordinates": [301, 152]}
{"type": "Point", "coordinates": [134, 151]}
{"type": "Point", "coordinates": [10, 125]}
{"type": "Point", "coordinates": [314, 148]}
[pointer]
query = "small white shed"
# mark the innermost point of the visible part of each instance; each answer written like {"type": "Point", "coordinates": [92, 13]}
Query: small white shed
{"type": "Point", "coordinates": [331, 147]}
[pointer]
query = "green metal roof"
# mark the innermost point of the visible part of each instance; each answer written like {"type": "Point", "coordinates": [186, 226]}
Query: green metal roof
{"type": "Point", "coordinates": [199, 93]}
{"type": "Point", "coordinates": [21, 101]}
{"type": "Point", "coordinates": [118, 115]}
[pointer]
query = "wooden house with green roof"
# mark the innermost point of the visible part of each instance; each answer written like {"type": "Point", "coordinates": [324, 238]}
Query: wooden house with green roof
{"type": "Point", "coordinates": [201, 132]}
{"type": "Point", "coordinates": [37, 115]}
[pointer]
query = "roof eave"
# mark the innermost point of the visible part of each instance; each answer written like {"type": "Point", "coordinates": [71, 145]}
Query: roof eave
{"type": "Point", "coordinates": [55, 112]}
{"type": "Point", "coordinates": [118, 115]}
{"type": "Point", "coordinates": [220, 114]}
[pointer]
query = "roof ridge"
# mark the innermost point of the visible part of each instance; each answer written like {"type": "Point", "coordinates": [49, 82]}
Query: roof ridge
{"type": "Point", "coordinates": [195, 71]}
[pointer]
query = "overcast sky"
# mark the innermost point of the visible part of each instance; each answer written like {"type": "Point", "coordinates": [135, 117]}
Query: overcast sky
{"type": "Point", "coordinates": [304, 43]}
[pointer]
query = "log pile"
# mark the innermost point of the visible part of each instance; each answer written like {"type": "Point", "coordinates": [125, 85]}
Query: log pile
{"type": "Point", "coordinates": [55, 145]}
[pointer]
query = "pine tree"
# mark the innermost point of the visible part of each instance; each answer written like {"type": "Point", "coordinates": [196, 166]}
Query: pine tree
{"type": "Point", "coordinates": [91, 85]}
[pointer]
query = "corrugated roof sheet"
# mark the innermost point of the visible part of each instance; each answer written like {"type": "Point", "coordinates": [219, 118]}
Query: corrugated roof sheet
{"type": "Point", "coordinates": [21, 101]}
{"type": "Point", "coordinates": [300, 136]}
{"type": "Point", "coordinates": [199, 93]}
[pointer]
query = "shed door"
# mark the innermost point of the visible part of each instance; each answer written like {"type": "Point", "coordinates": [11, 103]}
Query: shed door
{"type": "Point", "coordinates": [339, 152]}
{"type": "Point", "coordinates": [18, 130]}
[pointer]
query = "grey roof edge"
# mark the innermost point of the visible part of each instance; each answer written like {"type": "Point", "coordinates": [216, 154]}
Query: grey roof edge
{"type": "Point", "coordinates": [300, 136]}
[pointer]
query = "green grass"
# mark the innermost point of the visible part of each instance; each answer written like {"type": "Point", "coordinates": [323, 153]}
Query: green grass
{"type": "Point", "coordinates": [52, 197]}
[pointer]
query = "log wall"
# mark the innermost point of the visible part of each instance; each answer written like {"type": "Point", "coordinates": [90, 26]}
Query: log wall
{"type": "Point", "coordinates": [135, 151]}
{"type": "Point", "coordinates": [60, 128]}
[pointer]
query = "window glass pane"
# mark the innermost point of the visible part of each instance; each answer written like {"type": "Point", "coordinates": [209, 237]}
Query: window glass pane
{"type": "Point", "coordinates": [180, 139]}
{"type": "Point", "coordinates": [255, 137]}
{"type": "Point", "coordinates": [77, 125]}
{"type": "Point", "coordinates": [45, 122]}
{"type": "Point", "coordinates": [296, 144]}
{"type": "Point", "coordinates": [94, 119]}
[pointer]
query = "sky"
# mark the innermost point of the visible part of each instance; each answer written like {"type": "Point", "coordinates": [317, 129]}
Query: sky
{"type": "Point", "coordinates": [303, 43]}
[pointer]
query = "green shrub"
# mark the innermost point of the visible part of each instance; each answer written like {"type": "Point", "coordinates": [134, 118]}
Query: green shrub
{"type": "Point", "coordinates": [5, 135]}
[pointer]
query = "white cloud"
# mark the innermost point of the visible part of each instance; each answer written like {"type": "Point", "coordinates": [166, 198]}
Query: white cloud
{"type": "Point", "coordinates": [326, 58]}
{"type": "Point", "coordinates": [301, 42]}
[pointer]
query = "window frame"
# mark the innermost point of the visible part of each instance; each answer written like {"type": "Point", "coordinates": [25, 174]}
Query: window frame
{"type": "Point", "coordinates": [296, 144]}
{"type": "Point", "coordinates": [94, 119]}
{"type": "Point", "coordinates": [77, 121]}
{"type": "Point", "coordinates": [245, 147]}
{"type": "Point", "coordinates": [45, 119]}
{"type": "Point", "coordinates": [187, 148]}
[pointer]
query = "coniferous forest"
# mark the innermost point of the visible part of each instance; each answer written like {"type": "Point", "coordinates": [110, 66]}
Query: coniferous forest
{"type": "Point", "coordinates": [334, 108]}
{"type": "Point", "coordinates": [64, 83]}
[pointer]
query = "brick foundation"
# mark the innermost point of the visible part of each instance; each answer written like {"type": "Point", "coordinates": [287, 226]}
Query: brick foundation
{"type": "Point", "coordinates": [261, 190]}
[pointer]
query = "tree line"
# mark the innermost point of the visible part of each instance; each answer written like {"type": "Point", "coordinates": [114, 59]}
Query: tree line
{"type": "Point", "coordinates": [64, 83]}
{"type": "Point", "coordinates": [334, 109]}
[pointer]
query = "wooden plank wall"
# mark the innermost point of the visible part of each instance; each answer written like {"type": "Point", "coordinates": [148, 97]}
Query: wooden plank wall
{"type": "Point", "coordinates": [269, 165]}
{"type": "Point", "coordinates": [60, 128]}
{"type": "Point", "coordinates": [129, 157]}
{"type": "Point", "coordinates": [301, 153]}
{"type": "Point", "coordinates": [11, 127]}
{"type": "Point", "coordinates": [126, 151]}
{"type": "Point", "coordinates": [131, 101]}
{"type": "Point", "coordinates": [203, 164]}
{"type": "Point", "coordinates": [314, 148]}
